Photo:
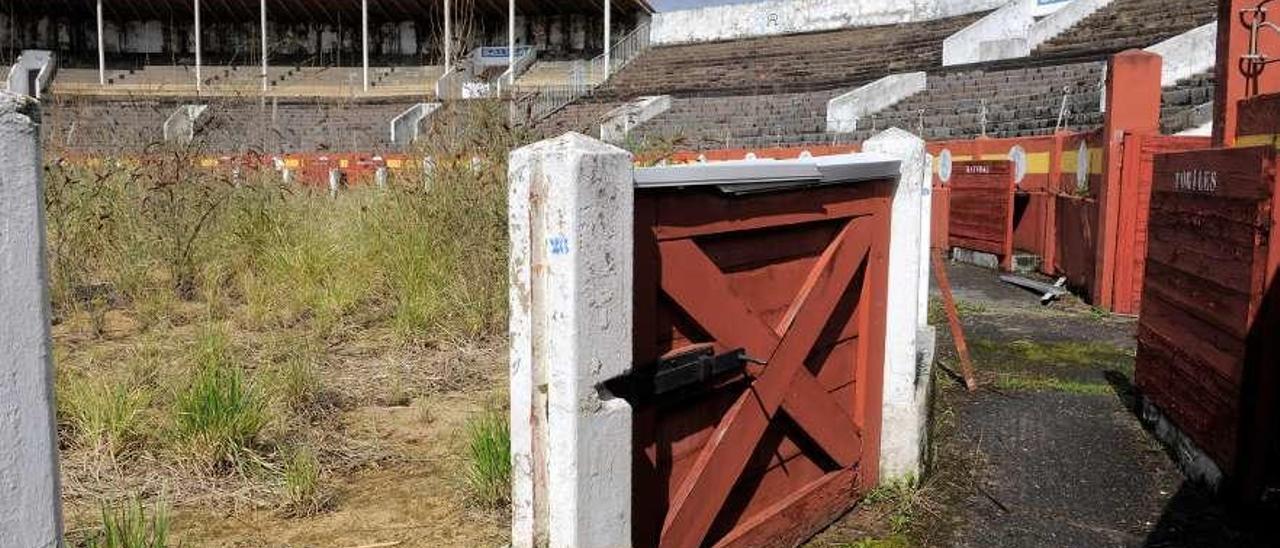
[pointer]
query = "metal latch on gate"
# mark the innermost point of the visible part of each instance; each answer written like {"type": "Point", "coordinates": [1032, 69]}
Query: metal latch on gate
{"type": "Point", "coordinates": [696, 366]}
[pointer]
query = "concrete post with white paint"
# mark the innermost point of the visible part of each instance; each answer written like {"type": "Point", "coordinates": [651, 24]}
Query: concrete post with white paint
{"type": "Point", "coordinates": [571, 217]}
{"type": "Point", "coordinates": [907, 381]}
{"type": "Point", "coordinates": [30, 511]}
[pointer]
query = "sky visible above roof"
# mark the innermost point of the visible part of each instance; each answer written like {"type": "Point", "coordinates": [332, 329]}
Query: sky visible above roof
{"type": "Point", "coordinates": [672, 5]}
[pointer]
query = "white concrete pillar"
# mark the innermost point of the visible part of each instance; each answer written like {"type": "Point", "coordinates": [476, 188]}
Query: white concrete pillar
{"type": "Point", "coordinates": [608, 37]}
{"type": "Point", "coordinates": [907, 382]}
{"type": "Point", "coordinates": [102, 54]}
{"type": "Point", "coordinates": [448, 39]}
{"type": "Point", "coordinates": [364, 39]}
{"type": "Point", "coordinates": [199, 59]}
{"type": "Point", "coordinates": [30, 511]}
{"type": "Point", "coordinates": [263, 10]}
{"type": "Point", "coordinates": [511, 41]}
{"type": "Point", "coordinates": [571, 216]}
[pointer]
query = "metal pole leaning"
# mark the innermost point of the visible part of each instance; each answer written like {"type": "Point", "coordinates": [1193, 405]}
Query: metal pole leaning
{"type": "Point", "coordinates": [30, 510]}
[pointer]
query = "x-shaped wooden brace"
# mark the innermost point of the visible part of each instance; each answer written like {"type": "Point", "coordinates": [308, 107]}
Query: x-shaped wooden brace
{"type": "Point", "coordinates": [694, 282]}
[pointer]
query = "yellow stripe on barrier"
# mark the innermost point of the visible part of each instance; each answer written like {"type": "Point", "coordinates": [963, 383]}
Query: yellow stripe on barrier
{"type": "Point", "coordinates": [1257, 141]}
{"type": "Point", "coordinates": [1071, 157]}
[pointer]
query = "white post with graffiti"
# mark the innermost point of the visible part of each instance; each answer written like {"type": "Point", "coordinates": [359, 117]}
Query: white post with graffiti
{"type": "Point", "coordinates": [571, 216]}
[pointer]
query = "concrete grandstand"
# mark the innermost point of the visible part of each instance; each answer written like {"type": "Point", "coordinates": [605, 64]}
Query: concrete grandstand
{"type": "Point", "coordinates": [758, 76]}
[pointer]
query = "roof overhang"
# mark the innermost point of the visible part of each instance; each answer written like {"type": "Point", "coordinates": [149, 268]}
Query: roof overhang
{"type": "Point", "coordinates": [314, 10]}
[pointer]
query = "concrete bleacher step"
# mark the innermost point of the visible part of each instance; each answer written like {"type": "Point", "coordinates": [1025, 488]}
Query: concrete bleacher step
{"type": "Point", "coordinates": [1125, 24]}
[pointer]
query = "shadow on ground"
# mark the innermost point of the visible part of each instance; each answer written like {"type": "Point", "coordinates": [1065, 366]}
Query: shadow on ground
{"type": "Point", "coordinates": [1049, 452]}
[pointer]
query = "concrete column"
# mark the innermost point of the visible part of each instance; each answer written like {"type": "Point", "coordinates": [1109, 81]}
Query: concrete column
{"type": "Point", "coordinates": [448, 39]}
{"type": "Point", "coordinates": [263, 10]}
{"type": "Point", "coordinates": [199, 59]}
{"type": "Point", "coordinates": [571, 217]}
{"type": "Point", "coordinates": [608, 36]}
{"type": "Point", "coordinates": [907, 381]}
{"type": "Point", "coordinates": [511, 41]}
{"type": "Point", "coordinates": [30, 511]}
{"type": "Point", "coordinates": [102, 54]}
{"type": "Point", "coordinates": [364, 39]}
{"type": "Point", "coordinates": [1133, 107]}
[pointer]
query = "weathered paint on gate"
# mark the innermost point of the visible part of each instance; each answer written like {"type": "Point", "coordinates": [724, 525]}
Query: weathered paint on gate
{"type": "Point", "coordinates": [797, 279]}
{"type": "Point", "coordinates": [1209, 261]}
{"type": "Point", "coordinates": [982, 208]}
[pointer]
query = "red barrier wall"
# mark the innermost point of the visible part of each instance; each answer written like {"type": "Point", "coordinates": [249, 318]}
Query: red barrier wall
{"type": "Point", "coordinates": [1205, 355]}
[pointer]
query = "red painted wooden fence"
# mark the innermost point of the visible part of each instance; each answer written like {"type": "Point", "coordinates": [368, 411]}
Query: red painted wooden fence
{"type": "Point", "coordinates": [768, 455]}
{"type": "Point", "coordinates": [1205, 355]}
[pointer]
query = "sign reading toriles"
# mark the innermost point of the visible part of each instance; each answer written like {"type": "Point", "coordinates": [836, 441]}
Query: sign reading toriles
{"type": "Point", "coordinates": [1196, 180]}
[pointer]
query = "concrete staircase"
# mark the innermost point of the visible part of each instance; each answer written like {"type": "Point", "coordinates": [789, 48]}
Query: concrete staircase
{"type": "Point", "coordinates": [1125, 24]}
{"type": "Point", "coordinates": [788, 63]}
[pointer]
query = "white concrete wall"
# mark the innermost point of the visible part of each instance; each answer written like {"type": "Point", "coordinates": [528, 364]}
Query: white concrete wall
{"type": "Point", "coordinates": [571, 216]}
{"type": "Point", "coordinates": [844, 111]}
{"type": "Point", "coordinates": [1062, 19]}
{"type": "Point", "coordinates": [30, 511]}
{"type": "Point", "coordinates": [1187, 54]}
{"type": "Point", "coordinates": [1012, 31]}
{"type": "Point", "coordinates": [907, 382]}
{"type": "Point", "coordinates": [619, 122]}
{"type": "Point", "coordinates": [29, 60]}
{"type": "Point", "coordinates": [1012, 21]}
{"type": "Point", "coordinates": [771, 17]}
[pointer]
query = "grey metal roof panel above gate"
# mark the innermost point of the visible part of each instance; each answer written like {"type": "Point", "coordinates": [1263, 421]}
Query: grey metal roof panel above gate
{"type": "Point", "coordinates": [747, 176]}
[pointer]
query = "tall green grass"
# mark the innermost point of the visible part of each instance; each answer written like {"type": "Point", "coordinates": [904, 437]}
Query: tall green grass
{"type": "Point", "coordinates": [220, 414]}
{"type": "Point", "coordinates": [106, 416]}
{"type": "Point", "coordinates": [428, 260]}
{"type": "Point", "coordinates": [489, 459]}
{"type": "Point", "coordinates": [128, 525]}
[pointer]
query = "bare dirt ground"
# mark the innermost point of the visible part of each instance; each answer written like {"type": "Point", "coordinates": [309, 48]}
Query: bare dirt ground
{"type": "Point", "coordinates": [1048, 452]}
{"type": "Point", "coordinates": [392, 429]}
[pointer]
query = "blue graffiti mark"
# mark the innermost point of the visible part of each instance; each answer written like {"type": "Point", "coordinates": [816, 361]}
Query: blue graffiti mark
{"type": "Point", "coordinates": [559, 245]}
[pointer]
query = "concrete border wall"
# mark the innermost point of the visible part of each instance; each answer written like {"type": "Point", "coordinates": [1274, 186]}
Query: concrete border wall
{"type": "Point", "coordinates": [1013, 31]}
{"type": "Point", "coordinates": [844, 111]}
{"type": "Point", "coordinates": [619, 122]}
{"type": "Point", "coordinates": [181, 125]}
{"type": "Point", "coordinates": [774, 17]}
{"type": "Point", "coordinates": [571, 217]}
{"type": "Point", "coordinates": [1187, 54]}
{"type": "Point", "coordinates": [30, 508]}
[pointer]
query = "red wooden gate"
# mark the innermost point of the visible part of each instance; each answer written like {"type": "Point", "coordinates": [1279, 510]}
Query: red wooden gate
{"type": "Point", "coordinates": [982, 208]}
{"type": "Point", "coordinates": [793, 283]}
{"type": "Point", "coordinates": [1209, 260]}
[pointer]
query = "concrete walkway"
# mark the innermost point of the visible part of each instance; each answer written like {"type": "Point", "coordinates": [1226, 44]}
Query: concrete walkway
{"type": "Point", "coordinates": [1048, 452]}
